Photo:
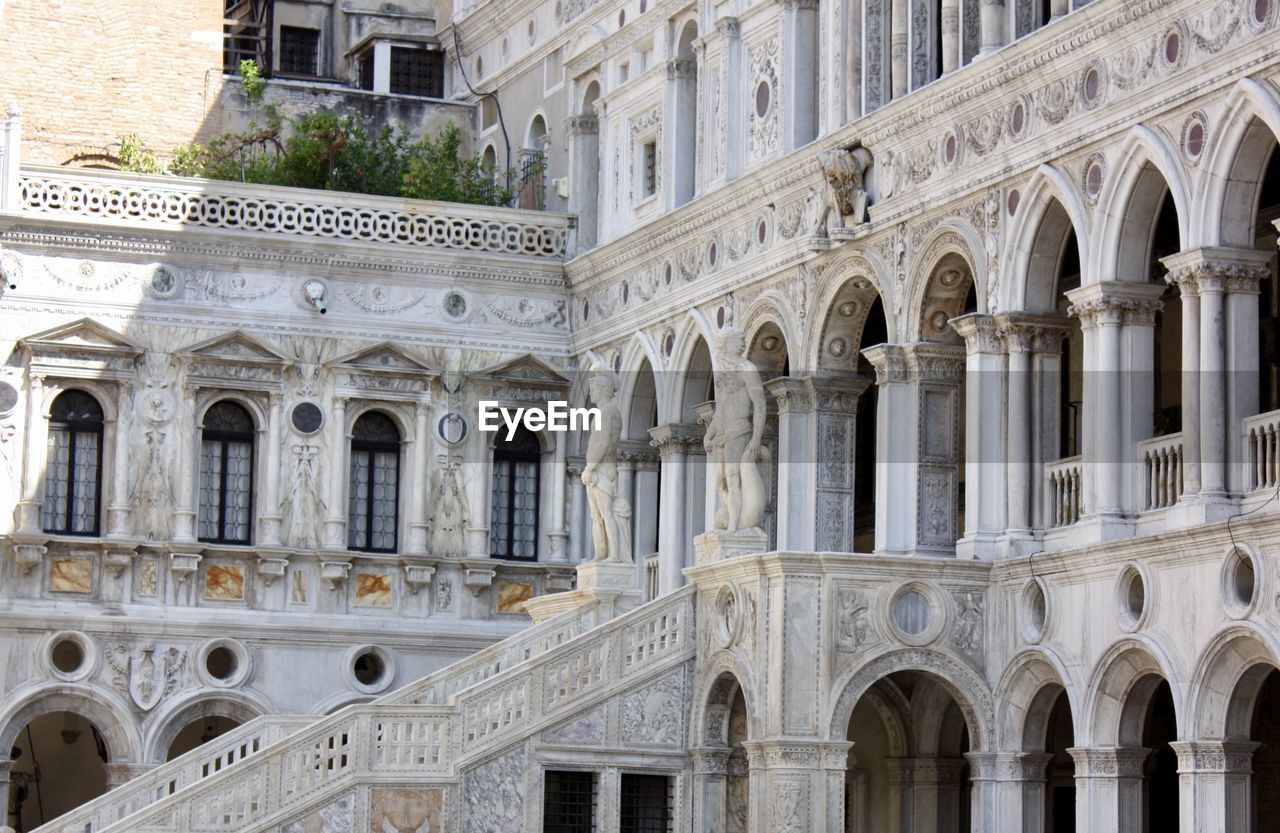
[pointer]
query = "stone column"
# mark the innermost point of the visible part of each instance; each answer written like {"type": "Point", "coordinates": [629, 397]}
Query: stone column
{"type": "Point", "coordinates": [1219, 288]}
{"type": "Point", "coordinates": [1020, 791]}
{"type": "Point", "coordinates": [797, 784]}
{"type": "Point", "coordinates": [1033, 344]}
{"type": "Point", "coordinates": [335, 526]}
{"type": "Point", "coordinates": [895, 451]}
{"type": "Point", "coordinates": [732, 96]}
{"type": "Point", "coordinates": [800, 48]}
{"type": "Point", "coordinates": [119, 514]}
{"type": "Point", "coordinates": [950, 23]}
{"type": "Point", "coordinates": [710, 785]}
{"type": "Point", "coordinates": [644, 510]}
{"type": "Point", "coordinates": [187, 440]}
{"type": "Point", "coordinates": [557, 535]}
{"type": "Point", "coordinates": [584, 161]}
{"type": "Point", "coordinates": [899, 62]}
{"type": "Point", "coordinates": [1214, 786]}
{"type": "Point", "coordinates": [28, 520]}
{"type": "Point", "coordinates": [672, 441]}
{"type": "Point", "coordinates": [992, 21]}
{"type": "Point", "coordinates": [580, 546]}
{"type": "Point", "coordinates": [986, 811]}
{"type": "Point", "coordinates": [1108, 788]}
{"type": "Point", "coordinates": [6, 766]}
{"type": "Point", "coordinates": [796, 463]}
{"type": "Point", "coordinates": [985, 517]}
{"type": "Point", "coordinates": [419, 486]}
{"type": "Point", "coordinates": [1117, 319]}
{"type": "Point", "coordinates": [269, 519]}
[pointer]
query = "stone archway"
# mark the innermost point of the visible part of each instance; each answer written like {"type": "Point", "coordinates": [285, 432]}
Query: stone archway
{"type": "Point", "coordinates": [721, 774]}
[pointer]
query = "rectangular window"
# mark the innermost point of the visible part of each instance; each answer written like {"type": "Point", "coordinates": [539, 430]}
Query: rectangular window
{"type": "Point", "coordinates": [299, 50]}
{"type": "Point", "coordinates": [513, 527]}
{"type": "Point", "coordinates": [488, 112]}
{"type": "Point", "coordinates": [569, 802]}
{"type": "Point", "coordinates": [649, 163]}
{"type": "Point", "coordinates": [372, 499]}
{"type": "Point", "coordinates": [624, 72]}
{"type": "Point", "coordinates": [646, 804]}
{"type": "Point", "coordinates": [366, 70]}
{"type": "Point", "coordinates": [417, 72]}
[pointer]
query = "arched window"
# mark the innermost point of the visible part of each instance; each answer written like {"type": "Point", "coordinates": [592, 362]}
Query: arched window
{"type": "Point", "coordinates": [226, 474]}
{"type": "Point", "coordinates": [513, 527]}
{"type": "Point", "coordinates": [73, 468]}
{"type": "Point", "coordinates": [374, 492]}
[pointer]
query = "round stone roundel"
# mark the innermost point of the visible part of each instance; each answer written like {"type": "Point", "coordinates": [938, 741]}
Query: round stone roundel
{"type": "Point", "coordinates": [307, 418]}
{"type": "Point", "coordinates": [8, 397]}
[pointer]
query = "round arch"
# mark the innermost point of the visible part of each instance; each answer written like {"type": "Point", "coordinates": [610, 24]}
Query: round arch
{"type": "Point", "coordinates": [1026, 694]}
{"type": "Point", "coordinates": [695, 330]}
{"type": "Point", "coordinates": [1229, 675]}
{"type": "Point", "coordinates": [106, 711]}
{"type": "Point", "coordinates": [1026, 263]}
{"type": "Point", "coordinates": [1235, 163]}
{"type": "Point", "coordinates": [713, 693]}
{"type": "Point", "coordinates": [239, 706]}
{"type": "Point", "coordinates": [861, 275]}
{"type": "Point", "coordinates": [964, 684]}
{"type": "Point", "coordinates": [770, 312]}
{"type": "Point", "coordinates": [1129, 205]}
{"type": "Point", "coordinates": [1122, 684]}
{"type": "Point", "coordinates": [949, 242]}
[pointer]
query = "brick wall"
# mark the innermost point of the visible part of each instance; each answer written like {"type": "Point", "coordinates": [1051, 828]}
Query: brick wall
{"type": "Point", "coordinates": [86, 72]}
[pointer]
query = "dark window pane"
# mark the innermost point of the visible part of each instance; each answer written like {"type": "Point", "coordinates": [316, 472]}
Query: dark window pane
{"type": "Point", "coordinates": [73, 463]}
{"type": "Point", "coordinates": [646, 803]}
{"type": "Point", "coordinates": [513, 520]}
{"type": "Point", "coordinates": [226, 475]}
{"type": "Point", "coordinates": [299, 50]}
{"type": "Point", "coordinates": [417, 72]}
{"type": "Point", "coordinates": [569, 803]}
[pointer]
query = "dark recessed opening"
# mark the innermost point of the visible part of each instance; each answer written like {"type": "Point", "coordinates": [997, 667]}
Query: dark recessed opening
{"type": "Point", "coordinates": [221, 663]}
{"type": "Point", "coordinates": [68, 656]}
{"type": "Point", "coordinates": [369, 668]}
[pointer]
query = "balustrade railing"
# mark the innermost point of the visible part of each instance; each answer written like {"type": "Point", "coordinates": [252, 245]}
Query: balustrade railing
{"type": "Point", "coordinates": [492, 699]}
{"type": "Point", "coordinates": [203, 762]}
{"type": "Point", "coordinates": [1065, 480]}
{"type": "Point", "coordinates": [1262, 446]}
{"type": "Point", "coordinates": [152, 201]}
{"type": "Point", "coordinates": [1162, 470]}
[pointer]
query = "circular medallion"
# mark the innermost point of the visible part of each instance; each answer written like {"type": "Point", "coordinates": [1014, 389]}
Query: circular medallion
{"type": "Point", "coordinates": [8, 398]}
{"type": "Point", "coordinates": [306, 418]}
{"type": "Point", "coordinates": [1014, 197]}
{"type": "Point", "coordinates": [452, 428]}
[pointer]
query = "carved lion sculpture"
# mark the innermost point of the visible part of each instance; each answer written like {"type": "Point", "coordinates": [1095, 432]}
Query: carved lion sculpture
{"type": "Point", "coordinates": [844, 198]}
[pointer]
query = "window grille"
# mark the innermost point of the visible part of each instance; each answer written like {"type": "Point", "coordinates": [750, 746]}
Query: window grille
{"type": "Point", "coordinates": [646, 803]}
{"type": "Point", "coordinates": [513, 527]}
{"type": "Point", "coordinates": [299, 50]}
{"type": "Point", "coordinates": [417, 72]}
{"type": "Point", "coordinates": [73, 467]}
{"type": "Point", "coordinates": [374, 486]}
{"type": "Point", "coordinates": [569, 802]}
{"type": "Point", "coordinates": [226, 474]}
{"type": "Point", "coordinates": [533, 189]}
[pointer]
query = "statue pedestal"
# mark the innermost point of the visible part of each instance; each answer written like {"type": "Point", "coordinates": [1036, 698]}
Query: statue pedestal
{"type": "Point", "coordinates": [609, 586]}
{"type": "Point", "coordinates": [720, 545]}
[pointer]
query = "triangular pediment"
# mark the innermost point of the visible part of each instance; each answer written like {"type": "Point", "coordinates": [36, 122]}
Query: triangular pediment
{"type": "Point", "coordinates": [526, 369]}
{"type": "Point", "coordinates": [83, 334]}
{"type": "Point", "coordinates": [385, 357]}
{"type": "Point", "coordinates": [235, 346]}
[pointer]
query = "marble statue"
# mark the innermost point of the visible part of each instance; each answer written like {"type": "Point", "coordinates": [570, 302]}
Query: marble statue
{"type": "Point", "coordinates": [733, 440]}
{"type": "Point", "coordinates": [610, 513]}
{"type": "Point", "coordinates": [449, 518]}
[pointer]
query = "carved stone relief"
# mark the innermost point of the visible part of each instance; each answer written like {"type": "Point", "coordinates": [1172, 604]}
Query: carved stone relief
{"type": "Point", "coordinates": [653, 715]}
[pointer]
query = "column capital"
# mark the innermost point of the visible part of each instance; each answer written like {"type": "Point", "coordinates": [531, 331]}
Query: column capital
{"type": "Point", "coordinates": [1023, 332]}
{"type": "Point", "coordinates": [981, 333]}
{"type": "Point", "coordinates": [675, 435]}
{"type": "Point", "coordinates": [580, 125]}
{"type": "Point", "coordinates": [793, 395]}
{"type": "Point", "coordinates": [682, 69]}
{"type": "Point", "coordinates": [931, 362]}
{"type": "Point", "coordinates": [710, 760]}
{"type": "Point", "coordinates": [798, 753]}
{"type": "Point", "coordinates": [1221, 756]}
{"type": "Point", "coordinates": [1109, 761]}
{"type": "Point", "coordinates": [638, 453]}
{"type": "Point", "coordinates": [1217, 269]}
{"type": "Point", "coordinates": [728, 26]}
{"type": "Point", "coordinates": [575, 465]}
{"type": "Point", "coordinates": [1115, 302]}
{"type": "Point", "coordinates": [837, 391]}
{"type": "Point", "coordinates": [890, 363]}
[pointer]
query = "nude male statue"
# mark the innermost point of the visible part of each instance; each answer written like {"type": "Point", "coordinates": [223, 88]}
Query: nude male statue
{"type": "Point", "coordinates": [610, 514]}
{"type": "Point", "coordinates": [734, 435]}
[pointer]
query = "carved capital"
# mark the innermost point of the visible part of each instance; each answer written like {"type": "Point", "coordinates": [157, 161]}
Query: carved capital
{"type": "Point", "coordinates": [581, 125]}
{"type": "Point", "coordinates": [981, 333]}
{"type": "Point", "coordinates": [794, 396]}
{"type": "Point", "coordinates": [1216, 756]}
{"type": "Point", "coordinates": [1115, 302]}
{"type": "Point", "coordinates": [728, 27]}
{"type": "Point", "coordinates": [1108, 762]}
{"type": "Point", "coordinates": [675, 436]}
{"type": "Point", "coordinates": [1032, 333]}
{"type": "Point", "coordinates": [1217, 269]}
{"type": "Point", "coordinates": [681, 69]}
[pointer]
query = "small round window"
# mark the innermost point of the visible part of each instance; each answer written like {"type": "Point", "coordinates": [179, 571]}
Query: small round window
{"type": "Point", "coordinates": [1131, 598]}
{"type": "Point", "coordinates": [764, 97]}
{"type": "Point", "coordinates": [1034, 611]}
{"type": "Point", "coordinates": [221, 663]}
{"type": "Point", "coordinates": [368, 668]}
{"type": "Point", "coordinates": [67, 656]}
{"type": "Point", "coordinates": [911, 613]}
{"type": "Point", "coordinates": [1239, 582]}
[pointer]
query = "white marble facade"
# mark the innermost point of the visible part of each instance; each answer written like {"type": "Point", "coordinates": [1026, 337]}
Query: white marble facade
{"type": "Point", "coordinates": [1019, 568]}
